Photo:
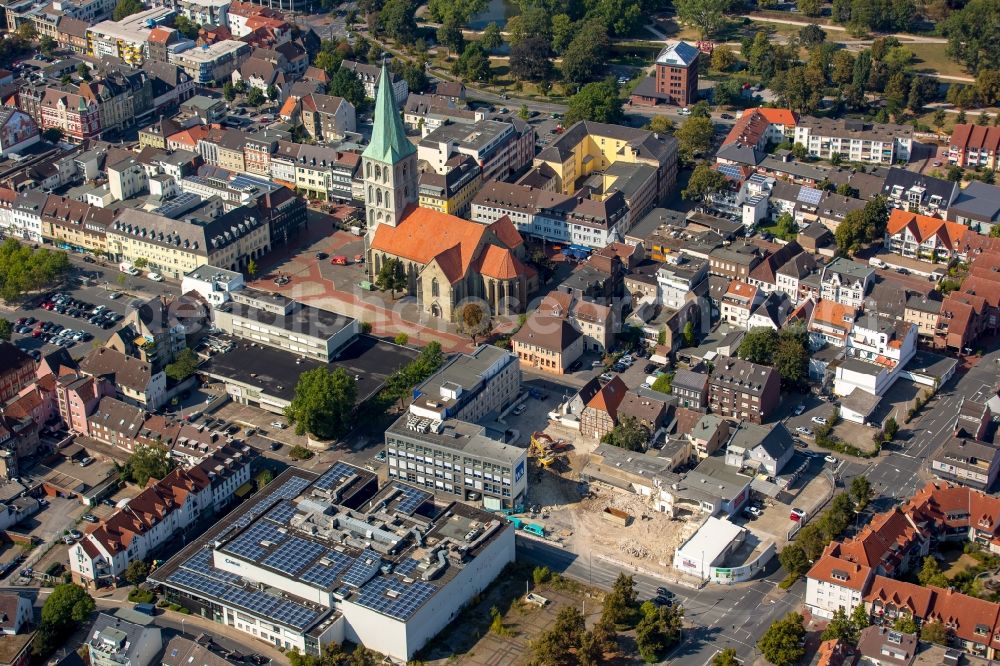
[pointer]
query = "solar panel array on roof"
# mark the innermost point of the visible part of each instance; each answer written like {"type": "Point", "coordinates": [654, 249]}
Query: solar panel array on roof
{"type": "Point", "coordinates": [411, 500]}
{"type": "Point", "coordinates": [406, 567]}
{"type": "Point", "coordinates": [255, 601]}
{"type": "Point", "coordinates": [364, 568]}
{"type": "Point", "coordinates": [758, 179]}
{"type": "Point", "coordinates": [249, 544]}
{"type": "Point", "coordinates": [392, 597]}
{"type": "Point", "coordinates": [333, 476]}
{"type": "Point", "coordinates": [289, 488]}
{"type": "Point", "coordinates": [809, 195]}
{"type": "Point", "coordinates": [325, 571]}
{"type": "Point", "coordinates": [201, 563]}
{"type": "Point", "coordinates": [294, 555]}
{"type": "Point", "coordinates": [281, 513]}
{"type": "Point", "coordinates": [730, 171]}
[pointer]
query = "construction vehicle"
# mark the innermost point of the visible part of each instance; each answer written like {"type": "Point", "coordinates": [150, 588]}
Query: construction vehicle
{"type": "Point", "coordinates": [516, 522]}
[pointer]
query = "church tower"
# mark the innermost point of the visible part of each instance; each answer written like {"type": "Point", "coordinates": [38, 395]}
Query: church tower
{"type": "Point", "coordinates": [389, 162]}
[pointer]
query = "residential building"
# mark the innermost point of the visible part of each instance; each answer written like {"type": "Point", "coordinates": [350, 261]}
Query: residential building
{"type": "Point", "coordinates": [407, 583]}
{"type": "Point", "coordinates": [18, 131]}
{"type": "Point", "coordinates": [756, 128]}
{"type": "Point", "coordinates": [547, 343]}
{"type": "Point", "coordinates": [917, 193]}
{"type": "Point", "coordinates": [977, 207]}
{"type": "Point", "coordinates": [175, 247]}
{"type": "Point", "coordinates": [830, 323]}
{"type": "Point", "coordinates": [600, 414]}
{"type": "Point", "coordinates": [924, 312]}
{"type": "Point", "coordinates": [114, 641]}
{"type": "Point", "coordinates": [834, 583]}
{"type": "Point", "coordinates": [974, 146]}
{"type": "Point", "coordinates": [16, 612]}
{"type": "Point", "coordinates": [596, 321]}
{"type": "Point", "coordinates": [495, 145]}
{"type": "Point", "coordinates": [877, 350]}
{"type": "Point", "coordinates": [212, 62]}
{"type": "Point", "coordinates": [760, 449]}
{"type": "Point", "coordinates": [968, 462]}
{"type": "Point", "coordinates": [846, 282]}
{"type": "Point", "coordinates": [883, 646]}
{"type": "Point", "coordinates": [126, 39]}
{"type": "Point", "coordinates": [927, 238]}
{"type": "Point", "coordinates": [204, 12]}
{"type": "Point", "coordinates": [675, 79]}
{"type": "Point", "coordinates": [158, 514]}
{"type": "Point", "coordinates": [739, 302]}
{"type": "Point", "coordinates": [135, 380]}
{"type": "Point", "coordinates": [708, 435]}
{"type": "Point", "coordinates": [734, 261]}
{"type": "Point", "coordinates": [790, 277]}
{"type": "Point", "coordinates": [691, 388]}
{"type": "Point", "coordinates": [371, 77]}
{"type": "Point", "coordinates": [452, 191]}
{"type": "Point", "coordinates": [855, 140]}
{"type": "Point", "coordinates": [78, 117]}
{"type": "Point", "coordinates": [327, 118]}
{"type": "Point", "coordinates": [214, 285]}
{"type": "Point", "coordinates": [273, 320]}
{"type": "Point", "coordinates": [17, 370]}
{"type": "Point", "coordinates": [677, 278]}
{"type": "Point", "coordinates": [742, 390]}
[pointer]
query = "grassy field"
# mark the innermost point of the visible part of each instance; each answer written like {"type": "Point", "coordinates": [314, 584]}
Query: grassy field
{"type": "Point", "coordinates": [932, 57]}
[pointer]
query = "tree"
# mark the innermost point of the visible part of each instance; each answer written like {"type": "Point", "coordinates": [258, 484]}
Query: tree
{"type": "Point", "coordinates": [255, 97]}
{"type": "Point", "coordinates": [83, 71]}
{"type": "Point", "coordinates": [529, 59]}
{"type": "Point", "coordinates": [273, 93]}
{"type": "Point", "coordinates": [473, 64]}
{"type": "Point", "coordinates": [252, 268]}
{"type": "Point", "coordinates": [228, 91]}
{"type": "Point", "coordinates": [971, 41]}
{"type": "Point", "coordinates": [842, 68]}
{"type": "Point", "coordinates": [47, 45]}
{"type": "Point", "coordinates": [704, 181]}
{"type": "Point", "coordinates": [694, 137]}
{"type": "Point", "coordinates": [794, 559]}
{"type": "Point", "coordinates": [630, 434]}
{"type": "Point", "coordinates": [450, 35]}
{"type": "Point", "coordinates": [780, 643]}
{"type": "Point", "coordinates": [396, 20]}
{"type": "Point", "coordinates": [185, 364]}
{"type": "Point", "coordinates": [563, 31]}
{"type": "Point", "coordinates": [621, 602]}
{"type": "Point", "coordinates": [664, 383]}
{"type": "Point", "coordinates": [146, 462]}
{"type": "Point", "coordinates": [725, 658]}
{"type": "Point", "coordinates": [810, 7]}
{"type": "Point", "coordinates": [938, 119]}
{"type": "Point", "coordinates": [584, 57]}
{"type": "Point", "coordinates": [391, 277]}
{"type": "Point", "coordinates": [6, 330]}
{"type": "Point", "coordinates": [345, 84]}
{"type": "Point", "coordinates": [136, 572]}
{"type": "Point", "coordinates": [658, 630]}
{"type": "Point", "coordinates": [759, 345]}
{"type": "Point", "coordinates": [860, 618]}
{"type": "Point", "coordinates": [811, 35]}
{"type": "Point", "coordinates": [930, 573]}
{"type": "Point", "coordinates": [723, 59]}
{"type": "Point", "coordinates": [840, 627]}
{"type": "Point", "coordinates": [533, 21]}
{"type": "Point", "coordinates": [492, 38]}
{"type": "Point", "coordinates": [988, 86]}
{"type": "Point", "coordinates": [688, 333]}
{"type": "Point", "coordinates": [264, 477]}
{"type": "Point", "coordinates": [475, 321]}
{"type": "Point", "coordinates": [595, 101]}
{"type": "Point", "coordinates": [186, 27]}
{"type": "Point", "coordinates": [935, 632]}
{"type": "Point", "coordinates": [52, 135]}
{"type": "Point", "coordinates": [708, 16]}
{"type": "Point", "coordinates": [556, 646]}
{"type": "Point", "coordinates": [24, 269]}
{"type": "Point", "coordinates": [68, 604]}
{"type": "Point", "coordinates": [791, 357]}
{"type": "Point", "coordinates": [905, 624]}
{"type": "Point", "coordinates": [800, 87]}
{"type": "Point", "coordinates": [460, 11]}
{"type": "Point", "coordinates": [660, 125]}
{"type": "Point", "coordinates": [861, 491]}
{"type": "Point", "coordinates": [323, 403]}
{"type": "Point", "coordinates": [26, 31]}
{"type": "Point", "coordinates": [127, 8]}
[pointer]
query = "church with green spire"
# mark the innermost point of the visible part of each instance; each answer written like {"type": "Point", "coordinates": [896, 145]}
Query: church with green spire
{"type": "Point", "coordinates": [446, 260]}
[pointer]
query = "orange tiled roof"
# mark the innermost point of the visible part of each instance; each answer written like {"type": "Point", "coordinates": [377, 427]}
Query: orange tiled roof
{"type": "Point", "coordinates": [497, 262]}
{"type": "Point", "coordinates": [191, 136]}
{"type": "Point", "coordinates": [741, 289]}
{"type": "Point", "coordinates": [610, 397]}
{"type": "Point", "coordinates": [506, 232]}
{"type": "Point", "coordinates": [883, 542]}
{"type": "Point", "coordinates": [923, 227]}
{"type": "Point", "coordinates": [288, 108]}
{"type": "Point", "coordinates": [840, 572]}
{"type": "Point", "coordinates": [915, 598]}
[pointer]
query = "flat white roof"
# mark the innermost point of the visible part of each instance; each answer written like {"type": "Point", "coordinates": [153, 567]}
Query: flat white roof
{"type": "Point", "coordinates": [711, 540]}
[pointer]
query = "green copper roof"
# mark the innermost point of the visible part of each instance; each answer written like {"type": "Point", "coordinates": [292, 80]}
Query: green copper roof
{"type": "Point", "coordinates": [389, 143]}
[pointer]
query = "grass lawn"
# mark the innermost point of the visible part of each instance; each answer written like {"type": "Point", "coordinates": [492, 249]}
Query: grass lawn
{"type": "Point", "coordinates": [932, 58]}
{"type": "Point", "coordinates": [959, 565]}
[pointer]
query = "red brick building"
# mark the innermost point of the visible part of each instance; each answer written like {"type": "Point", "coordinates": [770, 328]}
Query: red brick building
{"type": "Point", "coordinates": [676, 78]}
{"type": "Point", "coordinates": [17, 370]}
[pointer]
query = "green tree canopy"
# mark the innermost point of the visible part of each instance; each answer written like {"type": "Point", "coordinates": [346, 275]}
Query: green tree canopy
{"type": "Point", "coordinates": [694, 137]}
{"type": "Point", "coordinates": [475, 320]}
{"type": "Point", "coordinates": [323, 403]}
{"type": "Point", "coordinates": [492, 38]}
{"type": "Point", "coordinates": [759, 345]}
{"type": "Point", "coordinates": [972, 35]}
{"type": "Point", "coordinates": [622, 602]}
{"type": "Point", "coordinates": [6, 329]}
{"type": "Point", "coordinates": [780, 643]}
{"type": "Point", "coordinates": [557, 646]}
{"type": "Point", "coordinates": [658, 630]}
{"type": "Point", "coordinates": [127, 8]}
{"type": "Point", "coordinates": [146, 462]}
{"type": "Point", "coordinates": [397, 20]}
{"type": "Point", "coordinates": [391, 277]}
{"type": "Point", "coordinates": [704, 181]}
{"type": "Point", "coordinates": [136, 572]}
{"type": "Point", "coordinates": [24, 269]}
{"type": "Point", "coordinates": [595, 101]}
{"type": "Point", "coordinates": [184, 365]}
{"type": "Point", "coordinates": [473, 64]}
{"type": "Point", "coordinates": [793, 559]}
{"type": "Point", "coordinates": [529, 58]}
{"type": "Point", "coordinates": [68, 605]}
{"type": "Point", "coordinates": [708, 16]}
{"type": "Point", "coordinates": [630, 434]}
{"type": "Point", "coordinates": [584, 58]}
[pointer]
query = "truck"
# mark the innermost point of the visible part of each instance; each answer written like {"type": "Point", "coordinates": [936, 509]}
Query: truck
{"type": "Point", "coordinates": [356, 231]}
{"type": "Point", "coordinates": [534, 528]}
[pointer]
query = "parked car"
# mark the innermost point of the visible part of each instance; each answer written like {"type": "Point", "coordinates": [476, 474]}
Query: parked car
{"type": "Point", "coordinates": [520, 409]}
{"type": "Point", "coordinates": [76, 534]}
{"type": "Point", "coordinates": [86, 461]}
{"type": "Point", "coordinates": [607, 377]}
{"type": "Point", "coordinates": [830, 459]}
{"type": "Point", "coordinates": [275, 446]}
{"type": "Point", "coordinates": [805, 431]}
{"type": "Point", "coordinates": [321, 255]}
{"type": "Point", "coordinates": [799, 409]}
{"type": "Point", "coordinates": [797, 514]}
{"type": "Point", "coordinates": [278, 424]}
{"type": "Point", "coordinates": [115, 294]}
{"type": "Point", "coordinates": [90, 518]}
{"type": "Point", "coordinates": [818, 419]}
